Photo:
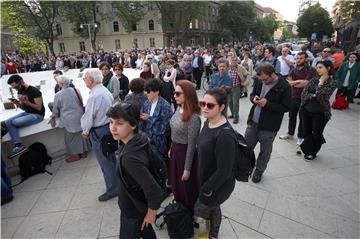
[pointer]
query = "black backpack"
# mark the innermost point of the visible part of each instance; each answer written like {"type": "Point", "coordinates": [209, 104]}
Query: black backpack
{"type": "Point", "coordinates": [179, 221]}
{"type": "Point", "coordinates": [157, 167]}
{"type": "Point", "coordinates": [34, 161]}
{"type": "Point", "coordinates": [244, 158]}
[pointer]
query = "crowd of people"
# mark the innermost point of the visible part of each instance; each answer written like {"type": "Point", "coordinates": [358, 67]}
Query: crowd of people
{"type": "Point", "coordinates": [163, 106]}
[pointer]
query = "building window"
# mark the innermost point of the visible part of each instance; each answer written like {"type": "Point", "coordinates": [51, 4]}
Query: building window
{"type": "Point", "coordinates": [82, 46]}
{"type": "Point", "coordinates": [192, 41]}
{"type": "Point", "coordinates": [62, 47]}
{"type": "Point", "coordinates": [204, 25]}
{"type": "Point", "coordinates": [190, 25]}
{"type": "Point", "coordinates": [117, 44]}
{"type": "Point", "coordinates": [115, 26]}
{"type": "Point", "coordinates": [151, 25]}
{"type": "Point", "coordinates": [213, 12]}
{"type": "Point", "coordinates": [134, 27]}
{"type": "Point", "coordinates": [59, 29]}
{"type": "Point", "coordinates": [196, 24]}
{"type": "Point", "coordinates": [152, 42]}
{"type": "Point", "coordinates": [97, 9]}
{"type": "Point", "coordinates": [135, 43]}
{"type": "Point", "coordinates": [209, 26]}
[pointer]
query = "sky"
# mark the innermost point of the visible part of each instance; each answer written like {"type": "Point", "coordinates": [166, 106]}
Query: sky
{"type": "Point", "coordinates": [290, 8]}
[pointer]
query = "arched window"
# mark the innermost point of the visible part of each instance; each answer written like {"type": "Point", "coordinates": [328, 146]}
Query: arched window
{"type": "Point", "coordinates": [151, 25]}
{"type": "Point", "coordinates": [59, 29]}
{"type": "Point", "coordinates": [115, 26]}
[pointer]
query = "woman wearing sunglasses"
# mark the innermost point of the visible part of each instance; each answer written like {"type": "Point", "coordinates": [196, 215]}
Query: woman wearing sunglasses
{"type": "Point", "coordinates": [185, 127]}
{"type": "Point", "coordinates": [139, 194]}
{"type": "Point", "coordinates": [216, 151]}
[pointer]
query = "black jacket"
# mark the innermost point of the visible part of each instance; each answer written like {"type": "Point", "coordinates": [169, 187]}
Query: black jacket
{"type": "Point", "coordinates": [201, 63]}
{"type": "Point", "coordinates": [136, 183]}
{"type": "Point", "coordinates": [278, 102]}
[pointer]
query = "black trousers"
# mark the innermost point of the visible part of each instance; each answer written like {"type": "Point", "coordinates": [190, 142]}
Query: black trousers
{"type": "Point", "coordinates": [197, 77]}
{"type": "Point", "coordinates": [208, 72]}
{"type": "Point", "coordinates": [314, 125]}
{"type": "Point", "coordinates": [348, 93]}
{"type": "Point", "coordinates": [293, 113]}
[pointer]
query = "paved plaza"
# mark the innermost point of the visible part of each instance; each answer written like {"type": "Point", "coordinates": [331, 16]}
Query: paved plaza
{"type": "Point", "coordinates": [295, 199]}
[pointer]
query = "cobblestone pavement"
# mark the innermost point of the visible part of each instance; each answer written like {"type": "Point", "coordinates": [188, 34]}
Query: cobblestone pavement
{"type": "Point", "coordinates": [295, 199]}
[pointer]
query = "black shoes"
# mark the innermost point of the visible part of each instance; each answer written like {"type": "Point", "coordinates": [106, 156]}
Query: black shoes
{"type": "Point", "coordinates": [236, 121]}
{"type": "Point", "coordinates": [309, 158]}
{"type": "Point", "coordinates": [256, 176]}
{"type": "Point", "coordinates": [6, 200]}
{"type": "Point", "coordinates": [230, 117]}
{"type": "Point", "coordinates": [244, 95]}
{"type": "Point", "coordinates": [105, 197]}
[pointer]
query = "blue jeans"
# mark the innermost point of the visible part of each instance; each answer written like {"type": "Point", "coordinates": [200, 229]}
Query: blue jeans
{"type": "Point", "coordinates": [6, 190]}
{"type": "Point", "coordinates": [107, 164]}
{"type": "Point", "coordinates": [23, 119]}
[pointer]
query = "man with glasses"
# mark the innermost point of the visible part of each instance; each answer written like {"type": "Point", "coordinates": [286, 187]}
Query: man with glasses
{"type": "Point", "coordinates": [95, 124]}
{"type": "Point", "coordinates": [30, 100]}
{"type": "Point", "coordinates": [154, 67]}
{"type": "Point", "coordinates": [271, 98]}
{"type": "Point", "coordinates": [324, 55]}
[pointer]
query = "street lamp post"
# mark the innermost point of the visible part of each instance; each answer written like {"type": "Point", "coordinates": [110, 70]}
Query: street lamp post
{"type": "Point", "coordinates": [89, 32]}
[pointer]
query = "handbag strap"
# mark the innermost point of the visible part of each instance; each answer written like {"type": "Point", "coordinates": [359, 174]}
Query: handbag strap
{"type": "Point", "coordinates": [78, 96]}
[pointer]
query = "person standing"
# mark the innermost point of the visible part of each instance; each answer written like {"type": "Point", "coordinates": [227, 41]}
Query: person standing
{"type": "Point", "coordinates": [348, 77]}
{"type": "Point", "coordinates": [140, 195]}
{"type": "Point", "coordinates": [271, 98]}
{"type": "Point", "coordinates": [298, 78]}
{"type": "Point", "coordinates": [222, 77]}
{"type": "Point", "coordinates": [185, 127]}
{"type": "Point", "coordinates": [123, 80]}
{"type": "Point", "coordinates": [95, 124]}
{"type": "Point", "coordinates": [315, 108]}
{"type": "Point", "coordinates": [286, 62]}
{"type": "Point", "coordinates": [31, 102]}
{"type": "Point", "coordinates": [109, 80]}
{"type": "Point", "coordinates": [198, 68]}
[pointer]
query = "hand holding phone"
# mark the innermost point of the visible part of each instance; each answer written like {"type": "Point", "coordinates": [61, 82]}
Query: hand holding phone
{"type": "Point", "coordinates": [256, 99]}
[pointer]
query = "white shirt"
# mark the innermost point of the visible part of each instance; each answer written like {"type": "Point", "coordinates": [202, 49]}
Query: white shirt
{"type": "Point", "coordinates": [284, 67]}
{"type": "Point", "coordinates": [153, 106]}
{"type": "Point", "coordinates": [207, 59]}
{"type": "Point", "coordinates": [347, 77]}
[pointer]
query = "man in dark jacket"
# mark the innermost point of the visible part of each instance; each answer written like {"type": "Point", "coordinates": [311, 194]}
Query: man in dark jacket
{"type": "Point", "coordinates": [198, 68]}
{"type": "Point", "coordinates": [271, 98]}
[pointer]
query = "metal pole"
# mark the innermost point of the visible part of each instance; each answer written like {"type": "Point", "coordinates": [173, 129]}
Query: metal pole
{"type": "Point", "coordinates": [91, 47]}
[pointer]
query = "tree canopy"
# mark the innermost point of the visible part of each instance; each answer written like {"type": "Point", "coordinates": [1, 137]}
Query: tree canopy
{"type": "Point", "coordinates": [351, 10]}
{"type": "Point", "coordinates": [315, 19]}
{"type": "Point", "coordinates": [263, 29]}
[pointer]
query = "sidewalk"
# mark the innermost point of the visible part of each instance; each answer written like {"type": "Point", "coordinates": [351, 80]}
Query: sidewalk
{"type": "Point", "coordinates": [295, 199]}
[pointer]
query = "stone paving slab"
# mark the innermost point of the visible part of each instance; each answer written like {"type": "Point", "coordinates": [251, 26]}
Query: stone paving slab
{"type": "Point", "coordinates": [295, 199]}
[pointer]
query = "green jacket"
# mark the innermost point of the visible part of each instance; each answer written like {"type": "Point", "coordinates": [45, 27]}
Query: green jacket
{"type": "Point", "coordinates": [354, 78]}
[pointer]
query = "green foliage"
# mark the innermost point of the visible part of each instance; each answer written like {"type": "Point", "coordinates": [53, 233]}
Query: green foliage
{"type": "Point", "coordinates": [237, 17]}
{"type": "Point", "coordinates": [287, 34]}
{"type": "Point", "coordinates": [263, 29]}
{"type": "Point", "coordinates": [177, 15]}
{"type": "Point", "coordinates": [314, 19]}
{"type": "Point", "coordinates": [35, 17]}
{"type": "Point", "coordinates": [350, 9]}
{"type": "Point", "coordinates": [27, 44]}
{"type": "Point", "coordinates": [129, 13]}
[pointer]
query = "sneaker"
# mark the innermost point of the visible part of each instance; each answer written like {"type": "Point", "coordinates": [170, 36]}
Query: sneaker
{"type": "Point", "coordinates": [236, 121]}
{"type": "Point", "coordinates": [105, 197]}
{"type": "Point", "coordinates": [298, 150]}
{"type": "Point", "coordinates": [286, 136]}
{"type": "Point", "coordinates": [256, 176]}
{"type": "Point", "coordinates": [309, 158]}
{"type": "Point", "coordinates": [17, 151]}
{"type": "Point", "coordinates": [299, 141]}
{"type": "Point", "coordinates": [83, 155]}
{"type": "Point", "coordinates": [72, 158]}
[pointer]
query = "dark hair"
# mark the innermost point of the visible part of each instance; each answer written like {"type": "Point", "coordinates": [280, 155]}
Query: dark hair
{"type": "Point", "coordinates": [176, 65]}
{"type": "Point", "coordinates": [148, 65]}
{"type": "Point", "coordinates": [153, 85]}
{"type": "Point", "coordinates": [303, 53]}
{"type": "Point", "coordinates": [137, 85]}
{"type": "Point", "coordinates": [271, 49]}
{"type": "Point", "coordinates": [57, 72]}
{"type": "Point", "coordinates": [170, 62]}
{"type": "Point", "coordinates": [220, 96]}
{"type": "Point", "coordinates": [117, 65]}
{"type": "Point", "coordinates": [128, 111]}
{"type": "Point", "coordinates": [328, 65]}
{"type": "Point", "coordinates": [14, 79]}
{"type": "Point", "coordinates": [191, 103]}
{"type": "Point", "coordinates": [355, 54]}
{"type": "Point", "coordinates": [104, 63]}
{"type": "Point", "coordinates": [266, 68]}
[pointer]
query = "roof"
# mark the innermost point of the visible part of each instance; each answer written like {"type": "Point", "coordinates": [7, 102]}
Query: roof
{"type": "Point", "coordinates": [268, 10]}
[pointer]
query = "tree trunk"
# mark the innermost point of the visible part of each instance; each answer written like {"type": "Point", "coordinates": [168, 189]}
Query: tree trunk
{"type": "Point", "coordinates": [93, 39]}
{"type": "Point", "coordinates": [50, 45]}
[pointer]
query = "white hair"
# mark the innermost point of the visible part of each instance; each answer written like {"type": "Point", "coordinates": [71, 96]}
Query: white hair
{"type": "Point", "coordinates": [64, 80]}
{"type": "Point", "coordinates": [95, 75]}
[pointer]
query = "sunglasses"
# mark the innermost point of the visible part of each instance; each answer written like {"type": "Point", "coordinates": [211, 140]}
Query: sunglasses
{"type": "Point", "coordinates": [208, 105]}
{"type": "Point", "coordinates": [326, 51]}
{"type": "Point", "coordinates": [178, 93]}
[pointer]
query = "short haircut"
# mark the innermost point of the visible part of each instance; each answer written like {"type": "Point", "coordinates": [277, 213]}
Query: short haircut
{"type": "Point", "coordinates": [95, 75]}
{"type": "Point", "coordinates": [14, 79]}
{"type": "Point", "coordinates": [153, 85]}
{"type": "Point", "coordinates": [266, 68]}
{"type": "Point", "coordinates": [137, 85]}
{"type": "Point", "coordinates": [303, 53]}
{"type": "Point", "coordinates": [119, 66]}
{"type": "Point", "coordinates": [328, 65]}
{"type": "Point", "coordinates": [104, 63]}
{"type": "Point", "coordinates": [128, 111]}
{"type": "Point", "coordinates": [223, 60]}
{"type": "Point", "coordinates": [147, 64]}
{"type": "Point", "coordinates": [171, 62]}
{"type": "Point", "coordinates": [57, 72]}
{"type": "Point", "coordinates": [271, 50]}
{"type": "Point", "coordinates": [64, 80]}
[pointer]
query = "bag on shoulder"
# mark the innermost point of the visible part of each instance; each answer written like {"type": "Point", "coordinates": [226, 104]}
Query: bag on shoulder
{"type": "Point", "coordinates": [244, 158]}
{"type": "Point", "coordinates": [108, 145]}
{"type": "Point", "coordinates": [34, 161]}
{"type": "Point", "coordinates": [179, 221]}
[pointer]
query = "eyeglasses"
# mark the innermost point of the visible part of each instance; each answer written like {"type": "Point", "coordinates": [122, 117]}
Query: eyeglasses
{"type": "Point", "coordinates": [208, 105]}
{"type": "Point", "coordinates": [178, 93]}
{"type": "Point", "coordinates": [326, 51]}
